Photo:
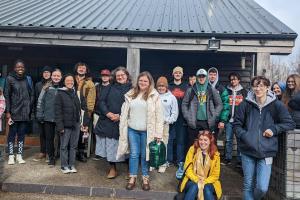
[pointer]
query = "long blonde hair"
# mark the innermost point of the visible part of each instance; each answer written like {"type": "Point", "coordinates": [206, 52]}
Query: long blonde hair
{"type": "Point", "coordinates": [137, 90]}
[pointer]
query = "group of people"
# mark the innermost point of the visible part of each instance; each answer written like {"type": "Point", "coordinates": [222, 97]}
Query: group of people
{"type": "Point", "coordinates": [125, 117]}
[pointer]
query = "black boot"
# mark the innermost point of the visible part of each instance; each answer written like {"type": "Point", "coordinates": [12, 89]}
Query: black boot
{"type": "Point", "coordinates": [52, 162]}
{"type": "Point", "coordinates": [81, 157]}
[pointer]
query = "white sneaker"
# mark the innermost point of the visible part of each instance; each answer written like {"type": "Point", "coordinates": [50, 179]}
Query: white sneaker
{"type": "Point", "coordinates": [151, 169]}
{"type": "Point", "coordinates": [11, 160]}
{"type": "Point", "coordinates": [19, 159]}
{"type": "Point", "coordinates": [65, 170]}
{"type": "Point", "coordinates": [162, 168]}
{"type": "Point", "coordinates": [73, 169]}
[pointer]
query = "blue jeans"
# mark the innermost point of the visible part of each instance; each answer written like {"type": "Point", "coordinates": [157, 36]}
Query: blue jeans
{"type": "Point", "coordinates": [181, 137]}
{"type": "Point", "coordinates": [138, 144]}
{"type": "Point", "coordinates": [255, 169]}
{"type": "Point", "coordinates": [229, 143]}
{"type": "Point", "coordinates": [191, 191]}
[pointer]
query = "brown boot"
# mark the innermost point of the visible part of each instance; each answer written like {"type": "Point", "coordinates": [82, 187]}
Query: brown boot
{"type": "Point", "coordinates": [112, 173]}
{"type": "Point", "coordinates": [145, 183]}
{"type": "Point", "coordinates": [38, 157]}
{"type": "Point", "coordinates": [131, 183]}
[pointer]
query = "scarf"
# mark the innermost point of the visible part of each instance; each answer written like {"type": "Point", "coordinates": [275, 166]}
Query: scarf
{"type": "Point", "coordinates": [2, 109]}
{"type": "Point", "coordinates": [201, 169]}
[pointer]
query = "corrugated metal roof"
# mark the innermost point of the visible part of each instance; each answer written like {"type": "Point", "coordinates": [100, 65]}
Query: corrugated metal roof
{"type": "Point", "coordinates": [166, 17]}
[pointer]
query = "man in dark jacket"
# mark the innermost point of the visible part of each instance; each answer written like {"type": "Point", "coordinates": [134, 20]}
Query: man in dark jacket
{"type": "Point", "coordinates": [236, 95]}
{"type": "Point", "coordinates": [257, 123]}
{"type": "Point", "coordinates": [39, 127]}
{"type": "Point", "coordinates": [178, 129]}
{"type": "Point", "coordinates": [213, 76]}
{"type": "Point", "coordinates": [201, 106]}
{"type": "Point", "coordinates": [19, 98]}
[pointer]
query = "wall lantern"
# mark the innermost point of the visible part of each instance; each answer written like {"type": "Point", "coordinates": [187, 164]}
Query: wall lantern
{"type": "Point", "coordinates": [214, 44]}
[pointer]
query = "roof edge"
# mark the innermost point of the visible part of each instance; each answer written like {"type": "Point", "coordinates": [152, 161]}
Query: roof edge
{"type": "Point", "coordinates": [284, 36]}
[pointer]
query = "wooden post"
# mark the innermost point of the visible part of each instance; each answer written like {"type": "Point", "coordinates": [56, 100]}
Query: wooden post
{"type": "Point", "coordinates": [133, 63]}
{"type": "Point", "coordinates": [263, 67]}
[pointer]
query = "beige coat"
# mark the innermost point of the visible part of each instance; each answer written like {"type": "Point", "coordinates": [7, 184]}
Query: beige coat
{"type": "Point", "coordinates": [154, 122]}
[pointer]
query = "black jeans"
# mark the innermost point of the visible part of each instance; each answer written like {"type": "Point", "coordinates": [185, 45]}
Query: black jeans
{"type": "Point", "coordinates": [81, 145]}
{"type": "Point", "coordinates": [40, 129]}
{"type": "Point", "coordinates": [16, 129]}
{"type": "Point", "coordinates": [193, 133]}
{"type": "Point", "coordinates": [50, 134]}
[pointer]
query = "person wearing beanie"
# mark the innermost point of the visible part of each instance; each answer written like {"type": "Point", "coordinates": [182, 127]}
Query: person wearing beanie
{"type": "Point", "coordinates": [170, 111]}
{"type": "Point", "coordinates": [178, 129]}
{"type": "Point", "coordinates": [278, 88]}
{"type": "Point", "coordinates": [201, 106]}
{"type": "Point", "coordinates": [39, 127]}
{"type": "Point", "coordinates": [213, 77]}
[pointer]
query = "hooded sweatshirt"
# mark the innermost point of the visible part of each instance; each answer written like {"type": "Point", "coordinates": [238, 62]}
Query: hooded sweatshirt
{"type": "Point", "coordinates": [170, 107]}
{"type": "Point", "coordinates": [224, 96]}
{"type": "Point", "coordinates": [236, 96]}
{"type": "Point", "coordinates": [252, 120]}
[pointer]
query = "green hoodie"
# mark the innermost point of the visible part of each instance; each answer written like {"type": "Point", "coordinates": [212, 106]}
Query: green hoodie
{"type": "Point", "coordinates": [202, 98]}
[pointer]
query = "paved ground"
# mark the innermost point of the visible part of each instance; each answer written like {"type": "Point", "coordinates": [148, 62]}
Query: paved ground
{"type": "Point", "coordinates": [91, 179]}
{"type": "Point", "coordinates": [31, 196]}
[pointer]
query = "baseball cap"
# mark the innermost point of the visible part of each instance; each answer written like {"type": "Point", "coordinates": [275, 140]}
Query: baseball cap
{"type": "Point", "coordinates": [201, 72]}
{"type": "Point", "coordinates": [105, 72]}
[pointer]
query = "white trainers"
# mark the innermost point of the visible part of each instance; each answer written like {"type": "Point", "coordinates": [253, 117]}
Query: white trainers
{"type": "Point", "coordinates": [19, 159]}
{"type": "Point", "coordinates": [65, 170]}
{"type": "Point", "coordinates": [11, 160]}
{"type": "Point", "coordinates": [151, 169]}
{"type": "Point", "coordinates": [162, 168]}
{"type": "Point", "coordinates": [73, 169]}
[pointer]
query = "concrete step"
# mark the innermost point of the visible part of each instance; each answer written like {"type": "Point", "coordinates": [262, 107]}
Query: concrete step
{"type": "Point", "coordinates": [38, 177]}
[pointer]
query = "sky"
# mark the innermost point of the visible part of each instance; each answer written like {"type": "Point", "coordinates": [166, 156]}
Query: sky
{"type": "Point", "coordinates": [288, 12]}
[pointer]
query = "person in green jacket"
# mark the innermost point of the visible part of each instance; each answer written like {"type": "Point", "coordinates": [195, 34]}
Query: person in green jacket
{"type": "Point", "coordinates": [213, 76]}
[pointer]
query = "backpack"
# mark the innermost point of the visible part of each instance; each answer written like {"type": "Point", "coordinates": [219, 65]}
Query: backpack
{"type": "Point", "coordinates": [29, 82]}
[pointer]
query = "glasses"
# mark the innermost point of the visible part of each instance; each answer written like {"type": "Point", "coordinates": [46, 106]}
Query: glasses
{"type": "Point", "coordinates": [290, 81]}
{"type": "Point", "coordinates": [234, 79]}
{"type": "Point", "coordinates": [120, 75]}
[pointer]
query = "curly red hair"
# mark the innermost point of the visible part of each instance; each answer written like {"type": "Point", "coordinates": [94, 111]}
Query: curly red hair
{"type": "Point", "coordinates": [212, 147]}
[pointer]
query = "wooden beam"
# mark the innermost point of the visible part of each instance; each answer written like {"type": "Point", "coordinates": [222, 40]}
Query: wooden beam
{"type": "Point", "coordinates": [133, 63]}
{"type": "Point", "coordinates": [263, 64]}
{"type": "Point", "coordinates": [135, 42]}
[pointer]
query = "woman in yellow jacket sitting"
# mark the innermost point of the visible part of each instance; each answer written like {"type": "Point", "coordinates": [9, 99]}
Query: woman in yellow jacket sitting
{"type": "Point", "coordinates": [201, 179]}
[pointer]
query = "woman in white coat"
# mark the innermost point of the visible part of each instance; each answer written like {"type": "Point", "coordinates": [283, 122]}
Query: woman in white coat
{"type": "Point", "coordinates": [141, 122]}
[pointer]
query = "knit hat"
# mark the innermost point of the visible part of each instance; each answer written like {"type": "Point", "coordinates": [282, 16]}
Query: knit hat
{"type": "Point", "coordinates": [282, 85]}
{"type": "Point", "coordinates": [178, 69]}
{"type": "Point", "coordinates": [201, 72]}
{"type": "Point", "coordinates": [46, 69]}
{"type": "Point", "coordinates": [162, 81]}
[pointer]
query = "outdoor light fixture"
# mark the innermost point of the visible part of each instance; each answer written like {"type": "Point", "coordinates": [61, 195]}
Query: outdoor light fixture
{"type": "Point", "coordinates": [214, 44]}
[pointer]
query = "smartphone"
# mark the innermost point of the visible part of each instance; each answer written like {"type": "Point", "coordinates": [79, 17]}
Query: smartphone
{"type": "Point", "coordinates": [10, 122]}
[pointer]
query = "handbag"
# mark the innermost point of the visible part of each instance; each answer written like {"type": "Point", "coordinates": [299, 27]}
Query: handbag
{"type": "Point", "coordinates": [157, 154]}
{"type": "Point", "coordinates": [180, 195]}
